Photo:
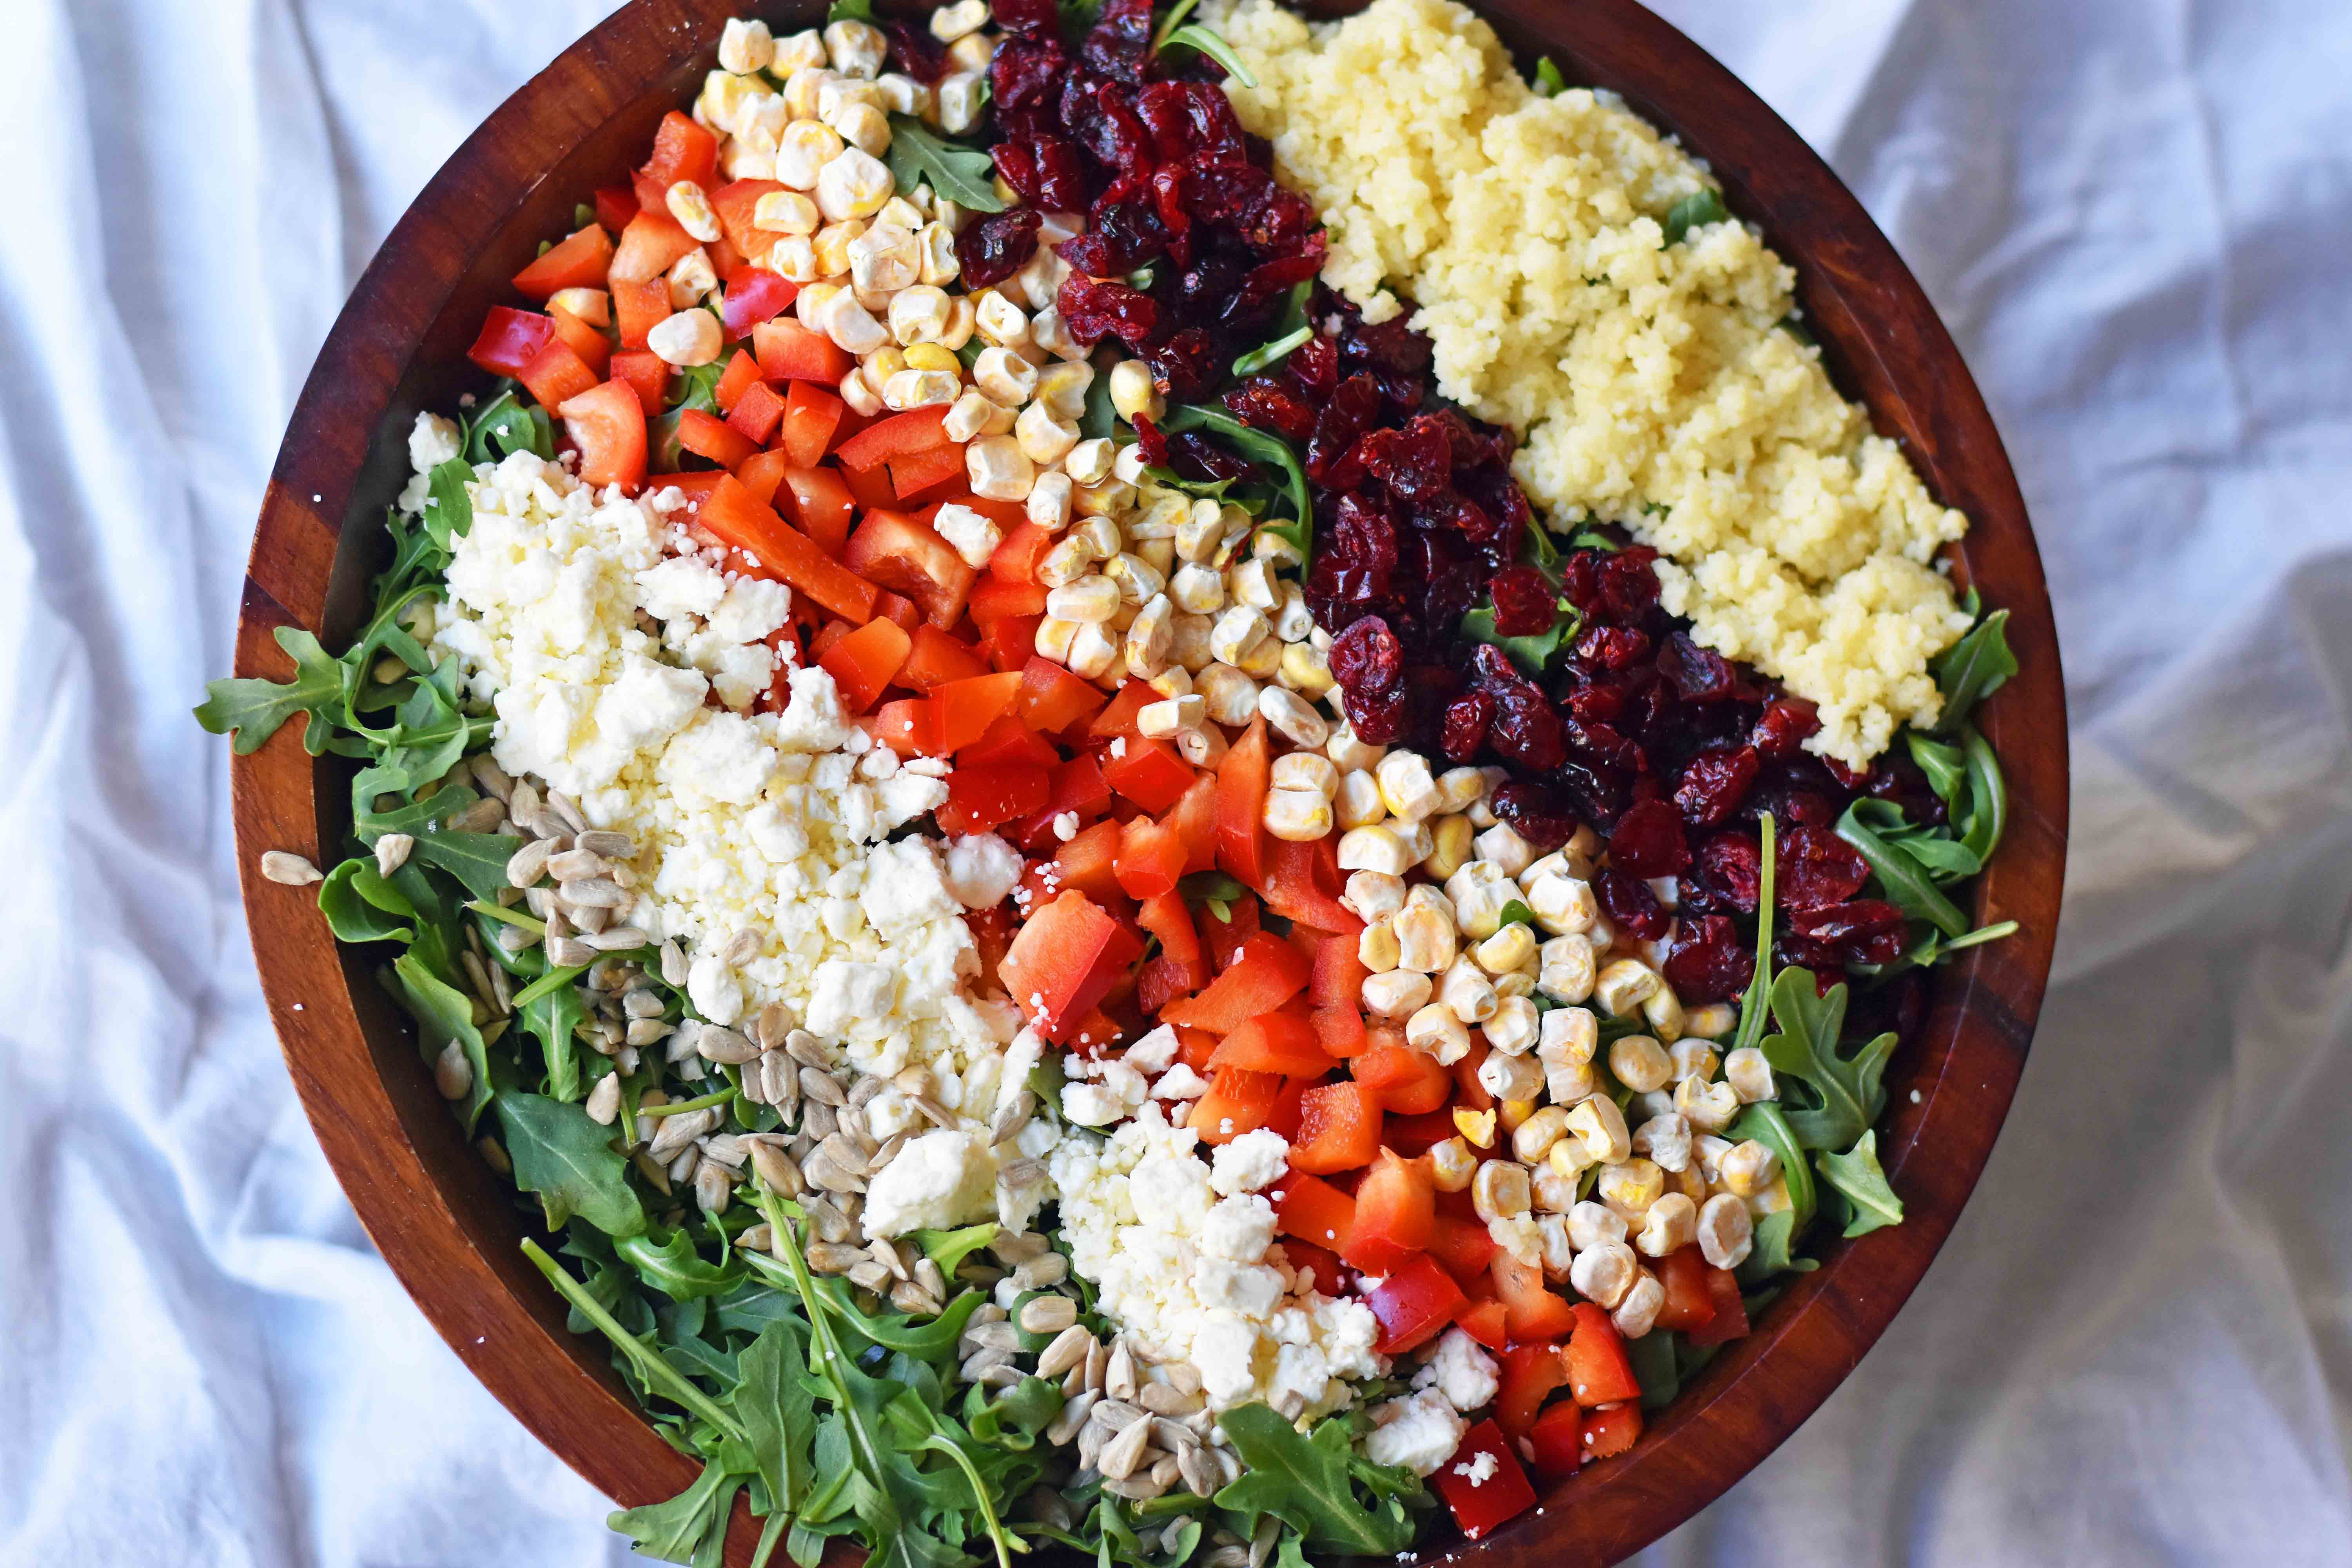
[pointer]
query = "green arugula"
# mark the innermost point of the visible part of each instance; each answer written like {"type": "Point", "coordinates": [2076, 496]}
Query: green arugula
{"type": "Point", "coordinates": [1548, 82]}
{"type": "Point", "coordinates": [507, 424]}
{"type": "Point", "coordinates": [1273, 352]}
{"type": "Point", "coordinates": [1205, 40]}
{"type": "Point", "coordinates": [1906, 880]}
{"type": "Point", "coordinates": [1695, 211]}
{"type": "Point", "coordinates": [1857, 1176]}
{"type": "Point", "coordinates": [689, 1528]}
{"type": "Point", "coordinates": [569, 1162]}
{"type": "Point", "coordinates": [361, 906]}
{"type": "Point", "coordinates": [919, 155]}
{"type": "Point", "coordinates": [1973, 668]}
{"type": "Point", "coordinates": [1309, 1483]}
{"type": "Point", "coordinates": [1260, 446]}
{"type": "Point", "coordinates": [249, 711]}
{"type": "Point", "coordinates": [1845, 1093]}
{"type": "Point", "coordinates": [1213, 890]}
{"type": "Point", "coordinates": [443, 1014]}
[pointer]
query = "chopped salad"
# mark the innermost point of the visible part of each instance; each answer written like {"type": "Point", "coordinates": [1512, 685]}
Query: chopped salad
{"type": "Point", "coordinates": [1079, 925]}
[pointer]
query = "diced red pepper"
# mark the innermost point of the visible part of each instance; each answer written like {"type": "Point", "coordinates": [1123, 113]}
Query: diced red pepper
{"type": "Point", "coordinates": [608, 425]}
{"type": "Point", "coordinates": [811, 416]}
{"type": "Point", "coordinates": [1118, 720]}
{"type": "Point", "coordinates": [730, 514]}
{"type": "Point", "coordinates": [1280, 1042]}
{"type": "Point", "coordinates": [1148, 773]}
{"type": "Point", "coordinates": [1557, 1439]}
{"type": "Point", "coordinates": [708, 435]}
{"type": "Point", "coordinates": [1396, 1216]}
{"type": "Point", "coordinates": [1238, 1101]}
{"type": "Point", "coordinates": [737, 207]}
{"type": "Point", "coordinates": [757, 413]}
{"type": "Point", "coordinates": [556, 374]}
{"type": "Point", "coordinates": [1537, 1312]}
{"type": "Point", "coordinates": [1611, 1430]}
{"type": "Point", "coordinates": [741, 374]}
{"type": "Point", "coordinates": [1598, 1370]}
{"type": "Point", "coordinates": [1483, 1482]}
{"type": "Point", "coordinates": [615, 206]}
{"type": "Point", "coordinates": [864, 663]}
{"type": "Point", "coordinates": [967, 708]}
{"type": "Point", "coordinates": [1688, 1304]}
{"type": "Point", "coordinates": [1291, 884]}
{"type": "Point", "coordinates": [1731, 1319]}
{"type": "Point", "coordinates": [790, 352]}
{"type": "Point", "coordinates": [1339, 1128]}
{"type": "Point", "coordinates": [1242, 779]}
{"type": "Point", "coordinates": [1268, 972]}
{"type": "Point", "coordinates": [1314, 1210]}
{"type": "Point", "coordinates": [899, 436]}
{"type": "Point", "coordinates": [1463, 1249]}
{"type": "Point", "coordinates": [1531, 1374]}
{"type": "Point", "coordinates": [1413, 1304]}
{"type": "Point", "coordinates": [1150, 859]}
{"type": "Point", "coordinates": [938, 658]}
{"type": "Point", "coordinates": [1485, 1322]}
{"type": "Point", "coordinates": [683, 150]}
{"type": "Point", "coordinates": [907, 727]}
{"type": "Point", "coordinates": [982, 798]}
{"type": "Point", "coordinates": [646, 375]}
{"type": "Point", "coordinates": [638, 309]}
{"type": "Point", "coordinates": [510, 340]}
{"type": "Point", "coordinates": [898, 552]}
{"type": "Point", "coordinates": [819, 504]}
{"type": "Point", "coordinates": [1409, 1082]}
{"type": "Point", "coordinates": [650, 246]}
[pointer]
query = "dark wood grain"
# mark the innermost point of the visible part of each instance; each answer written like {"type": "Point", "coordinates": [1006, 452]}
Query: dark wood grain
{"type": "Point", "coordinates": [449, 1228]}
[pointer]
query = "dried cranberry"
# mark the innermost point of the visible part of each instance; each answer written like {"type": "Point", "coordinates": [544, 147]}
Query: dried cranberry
{"type": "Point", "coordinates": [1392, 345]}
{"type": "Point", "coordinates": [1107, 131]}
{"type": "Point", "coordinates": [1524, 603]}
{"type": "Point", "coordinates": [1366, 659]}
{"type": "Point", "coordinates": [1150, 442]}
{"type": "Point", "coordinates": [1867, 931]}
{"type": "Point", "coordinates": [1630, 905]}
{"type": "Point", "coordinates": [1354, 403]}
{"type": "Point", "coordinates": [1315, 364]}
{"type": "Point", "coordinates": [1786, 723]}
{"type": "Point", "coordinates": [1121, 235]}
{"type": "Point", "coordinates": [1021, 76]}
{"type": "Point", "coordinates": [914, 52]}
{"type": "Point", "coordinates": [1730, 869]}
{"type": "Point", "coordinates": [1901, 780]}
{"type": "Point", "coordinates": [1629, 585]}
{"type": "Point", "coordinates": [1413, 462]}
{"type": "Point", "coordinates": [1194, 456]}
{"type": "Point", "coordinates": [1225, 190]}
{"type": "Point", "coordinates": [1648, 841]}
{"type": "Point", "coordinates": [1033, 18]}
{"type": "Point", "coordinates": [1600, 745]}
{"type": "Point", "coordinates": [1714, 784]}
{"type": "Point", "coordinates": [1535, 814]}
{"type": "Point", "coordinates": [1708, 962]}
{"type": "Point", "coordinates": [1813, 867]}
{"type": "Point", "coordinates": [998, 246]}
{"type": "Point", "coordinates": [1894, 1005]}
{"type": "Point", "coordinates": [1183, 364]}
{"type": "Point", "coordinates": [1700, 674]}
{"type": "Point", "coordinates": [1612, 648]}
{"type": "Point", "coordinates": [1851, 778]}
{"type": "Point", "coordinates": [1092, 309]}
{"type": "Point", "coordinates": [1466, 719]}
{"type": "Point", "coordinates": [1268, 402]}
{"type": "Point", "coordinates": [1377, 719]}
{"type": "Point", "coordinates": [1121, 39]}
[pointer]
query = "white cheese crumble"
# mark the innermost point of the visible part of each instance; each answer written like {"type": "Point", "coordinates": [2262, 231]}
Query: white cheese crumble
{"type": "Point", "coordinates": [1420, 1432]}
{"type": "Point", "coordinates": [622, 667]}
{"type": "Point", "coordinates": [1460, 1369]}
{"type": "Point", "coordinates": [1196, 1278]}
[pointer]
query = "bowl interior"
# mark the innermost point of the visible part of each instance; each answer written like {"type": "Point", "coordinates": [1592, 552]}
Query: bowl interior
{"type": "Point", "coordinates": [450, 1229]}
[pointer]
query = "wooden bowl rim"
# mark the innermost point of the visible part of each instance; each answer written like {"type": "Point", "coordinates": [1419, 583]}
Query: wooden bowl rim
{"type": "Point", "coordinates": [434, 1212]}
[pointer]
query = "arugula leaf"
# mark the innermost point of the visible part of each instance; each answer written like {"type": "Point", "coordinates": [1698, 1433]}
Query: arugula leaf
{"type": "Point", "coordinates": [1972, 669]}
{"type": "Point", "coordinates": [675, 1386]}
{"type": "Point", "coordinates": [1206, 39]}
{"type": "Point", "coordinates": [1752, 1005]}
{"type": "Point", "coordinates": [1260, 446]}
{"type": "Point", "coordinates": [1946, 767]}
{"type": "Point", "coordinates": [1273, 352]}
{"type": "Point", "coordinates": [1903, 878]}
{"type": "Point", "coordinates": [1845, 1089]}
{"type": "Point", "coordinates": [1773, 1250]}
{"type": "Point", "coordinates": [949, 1248]}
{"type": "Point", "coordinates": [672, 1266]}
{"type": "Point", "coordinates": [568, 1161]}
{"type": "Point", "coordinates": [1857, 1175]}
{"type": "Point", "coordinates": [1170, 23]}
{"type": "Point", "coordinates": [850, 10]}
{"type": "Point", "coordinates": [249, 711]}
{"type": "Point", "coordinates": [1988, 796]}
{"type": "Point", "coordinates": [443, 1014]}
{"type": "Point", "coordinates": [1692, 211]}
{"type": "Point", "coordinates": [689, 1528]}
{"type": "Point", "coordinates": [448, 510]}
{"type": "Point", "coordinates": [1548, 82]}
{"type": "Point", "coordinates": [361, 906]}
{"type": "Point", "coordinates": [1530, 653]}
{"type": "Point", "coordinates": [1765, 1122]}
{"type": "Point", "coordinates": [1515, 914]}
{"type": "Point", "coordinates": [1308, 1483]}
{"type": "Point", "coordinates": [772, 1402]}
{"type": "Point", "coordinates": [477, 859]}
{"type": "Point", "coordinates": [1937, 855]}
{"type": "Point", "coordinates": [1653, 1356]}
{"type": "Point", "coordinates": [965, 175]}
{"type": "Point", "coordinates": [1218, 891]}
{"type": "Point", "coordinates": [505, 425]}
{"type": "Point", "coordinates": [553, 1017]}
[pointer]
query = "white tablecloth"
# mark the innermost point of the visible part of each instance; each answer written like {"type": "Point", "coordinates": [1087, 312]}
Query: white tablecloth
{"type": "Point", "coordinates": [2136, 1349]}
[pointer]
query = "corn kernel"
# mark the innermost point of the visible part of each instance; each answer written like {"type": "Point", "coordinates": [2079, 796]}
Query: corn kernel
{"type": "Point", "coordinates": [998, 470]}
{"type": "Point", "coordinates": [1725, 1233]}
{"type": "Point", "coordinates": [1476, 1127]}
{"type": "Point", "coordinates": [1231, 695]}
{"type": "Point", "coordinates": [1601, 1127]}
{"type": "Point", "coordinates": [1132, 393]}
{"type": "Point", "coordinates": [1296, 815]}
{"type": "Point", "coordinates": [1376, 947]}
{"type": "Point", "coordinates": [1512, 1029]}
{"type": "Point", "coordinates": [1395, 994]}
{"type": "Point", "coordinates": [1500, 1191]}
{"type": "Point", "coordinates": [1452, 1166]}
{"type": "Point", "coordinates": [1406, 786]}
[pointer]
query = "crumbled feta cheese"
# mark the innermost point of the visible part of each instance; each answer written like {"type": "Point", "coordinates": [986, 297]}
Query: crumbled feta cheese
{"type": "Point", "coordinates": [433, 441]}
{"type": "Point", "coordinates": [1153, 1052]}
{"type": "Point", "coordinates": [1420, 1432]}
{"type": "Point", "coordinates": [1180, 1082]}
{"type": "Point", "coordinates": [938, 1181]}
{"type": "Point", "coordinates": [1478, 1468]}
{"type": "Point", "coordinates": [1460, 1369]}
{"type": "Point", "coordinates": [1091, 1105]}
{"type": "Point", "coordinates": [1241, 1229]}
{"type": "Point", "coordinates": [982, 868]}
{"type": "Point", "coordinates": [903, 887]}
{"type": "Point", "coordinates": [1251, 1162]}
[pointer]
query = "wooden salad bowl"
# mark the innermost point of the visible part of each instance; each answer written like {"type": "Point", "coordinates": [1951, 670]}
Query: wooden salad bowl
{"type": "Point", "coordinates": [450, 1228]}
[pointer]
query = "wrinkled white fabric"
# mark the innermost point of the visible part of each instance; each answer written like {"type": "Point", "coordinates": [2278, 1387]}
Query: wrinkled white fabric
{"type": "Point", "coordinates": [2135, 1348]}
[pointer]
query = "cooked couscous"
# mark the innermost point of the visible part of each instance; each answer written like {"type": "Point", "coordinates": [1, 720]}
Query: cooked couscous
{"type": "Point", "coordinates": [1653, 384]}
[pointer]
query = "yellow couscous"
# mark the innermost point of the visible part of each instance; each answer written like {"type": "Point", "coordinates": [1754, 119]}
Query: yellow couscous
{"type": "Point", "coordinates": [1654, 385]}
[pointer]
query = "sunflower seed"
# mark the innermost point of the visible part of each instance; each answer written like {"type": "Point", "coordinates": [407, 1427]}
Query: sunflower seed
{"type": "Point", "coordinates": [772, 1165]}
{"type": "Point", "coordinates": [1048, 1268]}
{"type": "Point", "coordinates": [1199, 1470]}
{"type": "Point", "coordinates": [826, 1219]}
{"type": "Point", "coordinates": [980, 1360]}
{"type": "Point", "coordinates": [782, 1081]}
{"type": "Point", "coordinates": [1119, 1376]}
{"type": "Point", "coordinates": [577, 865]}
{"type": "Point", "coordinates": [685, 1041]}
{"type": "Point", "coordinates": [833, 1256]}
{"type": "Point", "coordinates": [479, 817]}
{"type": "Point", "coordinates": [1017, 1246]}
{"type": "Point", "coordinates": [1172, 1436]}
{"type": "Point", "coordinates": [603, 1103]}
{"type": "Point", "coordinates": [998, 1335]}
{"type": "Point", "coordinates": [674, 964]}
{"type": "Point", "coordinates": [1048, 1314]}
{"type": "Point", "coordinates": [725, 1045]}
{"type": "Point", "coordinates": [1003, 1377]}
{"type": "Point", "coordinates": [817, 1119]}
{"type": "Point", "coordinates": [1021, 1174]}
{"type": "Point", "coordinates": [740, 949]}
{"type": "Point", "coordinates": [931, 1111]}
{"type": "Point", "coordinates": [773, 1026]}
{"type": "Point", "coordinates": [648, 1031]}
{"type": "Point", "coordinates": [1091, 1438]}
{"type": "Point", "coordinates": [688, 1160]}
{"type": "Point", "coordinates": [652, 1170]}
{"type": "Point", "coordinates": [728, 1148]}
{"type": "Point", "coordinates": [1183, 1376]}
{"type": "Point", "coordinates": [1012, 1118]}
{"type": "Point", "coordinates": [569, 953]}
{"type": "Point", "coordinates": [884, 1155]}
{"type": "Point", "coordinates": [495, 1156]}
{"type": "Point", "coordinates": [861, 1092]}
{"type": "Point", "coordinates": [567, 809]}
{"type": "Point", "coordinates": [1173, 1536]}
{"type": "Point", "coordinates": [1073, 1416]}
{"type": "Point", "coordinates": [761, 1237]}
{"type": "Point", "coordinates": [916, 1302]}
{"type": "Point", "coordinates": [1117, 1415]}
{"type": "Point", "coordinates": [618, 939]}
{"type": "Point", "coordinates": [714, 1186]}
{"type": "Point", "coordinates": [592, 919]}
{"type": "Point", "coordinates": [1068, 1350]}
{"type": "Point", "coordinates": [1098, 1366]}
{"type": "Point", "coordinates": [678, 1131]}
{"type": "Point", "coordinates": [888, 1257]}
{"type": "Point", "coordinates": [822, 1087]}
{"type": "Point", "coordinates": [1166, 1470]}
{"type": "Point", "coordinates": [1135, 1489]}
{"type": "Point", "coordinates": [592, 893]}
{"type": "Point", "coordinates": [514, 939]}
{"type": "Point", "coordinates": [823, 1171]}
{"type": "Point", "coordinates": [1047, 1507]}
{"type": "Point", "coordinates": [290, 869]}
{"type": "Point", "coordinates": [522, 801]}
{"type": "Point", "coordinates": [610, 845]}
{"type": "Point", "coordinates": [1229, 1556]}
{"type": "Point", "coordinates": [1167, 1399]}
{"type": "Point", "coordinates": [391, 852]}
{"type": "Point", "coordinates": [453, 1074]}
